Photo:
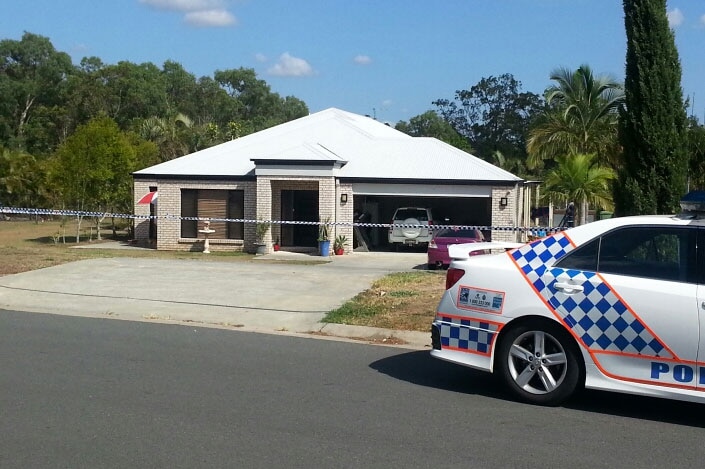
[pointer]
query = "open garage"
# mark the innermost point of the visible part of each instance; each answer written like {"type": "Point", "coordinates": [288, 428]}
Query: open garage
{"type": "Point", "coordinates": [453, 205]}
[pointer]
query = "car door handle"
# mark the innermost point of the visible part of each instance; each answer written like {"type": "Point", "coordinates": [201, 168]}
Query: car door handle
{"type": "Point", "coordinates": [568, 289]}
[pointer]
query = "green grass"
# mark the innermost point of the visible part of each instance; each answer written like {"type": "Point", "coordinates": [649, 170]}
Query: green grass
{"type": "Point", "coordinates": [351, 312]}
{"type": "Point", "coordinates": [404, 301]}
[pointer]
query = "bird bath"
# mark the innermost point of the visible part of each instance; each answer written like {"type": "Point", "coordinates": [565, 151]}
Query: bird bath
{"type": "Point", "coordinates": [206, 231]}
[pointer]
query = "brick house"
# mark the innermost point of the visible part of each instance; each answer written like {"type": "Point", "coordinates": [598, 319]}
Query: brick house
{"type": "Point", "coordinates": [329, 165]}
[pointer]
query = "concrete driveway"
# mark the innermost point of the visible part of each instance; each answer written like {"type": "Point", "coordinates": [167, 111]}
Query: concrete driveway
{"type": "Point", "coordinates": [267, 294]}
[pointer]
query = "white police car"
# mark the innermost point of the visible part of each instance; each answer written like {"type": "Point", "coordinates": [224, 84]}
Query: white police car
{"type": "Point", "coordinates": [617, 305]}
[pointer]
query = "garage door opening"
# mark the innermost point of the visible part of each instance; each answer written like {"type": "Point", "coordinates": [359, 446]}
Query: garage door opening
{"type": "Point", "coordinates": [472, 211]}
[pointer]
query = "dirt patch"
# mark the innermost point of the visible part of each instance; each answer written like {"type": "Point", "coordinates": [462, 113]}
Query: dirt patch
{"type": "Point", "coordinates": [390, 340]}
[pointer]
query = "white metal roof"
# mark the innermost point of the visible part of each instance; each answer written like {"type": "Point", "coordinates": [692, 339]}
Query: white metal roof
{"type": "Point", "coordinates": [371, 149]}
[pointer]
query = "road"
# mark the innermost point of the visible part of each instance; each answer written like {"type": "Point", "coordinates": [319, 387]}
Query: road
{"type": "Point", "coordinates": [83, 392]}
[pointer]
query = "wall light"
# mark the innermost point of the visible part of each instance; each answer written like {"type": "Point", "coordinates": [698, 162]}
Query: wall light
{"type": "Point", "coordinates": [343, 198]}
{"type": "Point", "coordinates": [503, 202]}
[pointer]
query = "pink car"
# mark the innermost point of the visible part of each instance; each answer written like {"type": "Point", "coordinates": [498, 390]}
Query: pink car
{"type": "Point", "coordinates": [438, 246]}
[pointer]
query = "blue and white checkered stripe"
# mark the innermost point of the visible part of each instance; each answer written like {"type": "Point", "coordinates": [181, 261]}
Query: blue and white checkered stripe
{"type": "Point", "coordinates": [466, 334]}
{"type": "Point", "coordinates": [601, 320]}
{"type": "Point", "coordinates": [532, 257]}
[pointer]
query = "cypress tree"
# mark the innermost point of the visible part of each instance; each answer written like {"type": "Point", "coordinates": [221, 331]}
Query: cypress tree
{"type": "Point", "coordinates": [652, 128]}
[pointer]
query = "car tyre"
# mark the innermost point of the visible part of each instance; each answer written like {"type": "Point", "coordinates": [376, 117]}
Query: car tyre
{"type": "Point", "coordinates": [409, 232]}
{"type": "Point", "coordinates": [538, 363]}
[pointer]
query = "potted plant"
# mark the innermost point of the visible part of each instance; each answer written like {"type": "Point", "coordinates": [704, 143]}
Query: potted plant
{"type": "Point", "coordinates": [261, 230]}
{"type": "Point", "coordinates": [324, 238]}
{"type": "Point", "coordinates": [339, 245]}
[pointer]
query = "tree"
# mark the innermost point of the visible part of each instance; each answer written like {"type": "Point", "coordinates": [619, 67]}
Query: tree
{"type": "Point", "coordinates": [696, 149]}
{"type": "Point", "coordinates": [652, 128]}
{"type": "Point", "coordinates": [256, 103]}
{"type": "Point", "coordinates": [134, 91]}
{"type": "Point", "coordinates": [91, 170]}
{"type": "Point", "coordinates": [146, 155]}
{"type": "Point", "coordinates": [430, 124]}
{"type": "Point", "coordinates": [171, 134]}
{"type": "Point", "coordinates": [577, 178]}
{"type": "Point", "coordinates": [215, 104]}
{"type": "Point", "coordinates": [181, 89]}
{"type": "Point", "coordinates": [581, 117]}
{"type": "Point", "coordinates": [514, 166]}
{"type": "Point", "coordinates": [21, 178]}
{"type": "Point", "coordinates": [493, 115]}
{"type": "Point", "coordinates": [32, 73]}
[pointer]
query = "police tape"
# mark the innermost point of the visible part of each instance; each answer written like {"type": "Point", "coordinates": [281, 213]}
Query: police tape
{"type": "Point", "coordinates": [82, 213]}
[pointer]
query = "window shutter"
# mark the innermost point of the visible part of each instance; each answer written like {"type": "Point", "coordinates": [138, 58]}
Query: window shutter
{"type": "Point", "coordinates": [213, 204]}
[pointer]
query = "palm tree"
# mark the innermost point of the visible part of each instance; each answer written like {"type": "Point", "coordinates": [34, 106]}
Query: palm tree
{"type": "Point", "coordinates": [581, 118]}
{"type": "Point", "coordinates": [513, 165]}
{"type": "Point", "coordinates": [578, 178]}
{"type": "Point", "coordinates": [169, 134]}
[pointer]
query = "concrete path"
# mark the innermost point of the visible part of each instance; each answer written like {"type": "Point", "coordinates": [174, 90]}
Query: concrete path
{"type": "Point", "coordinates": [281, 292]}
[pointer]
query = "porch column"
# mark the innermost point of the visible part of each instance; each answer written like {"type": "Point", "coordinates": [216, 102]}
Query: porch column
{"type": "Point", "coordinates": [263, 212]}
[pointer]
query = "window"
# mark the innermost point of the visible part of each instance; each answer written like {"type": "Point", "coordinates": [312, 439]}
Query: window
{"type": "Point", "coordinates": [583, 258]}
{"type": "Point", "coordinates": [215, 204]}
{"type": "Point", "coordinates": [236, 211]}
{"type": "Point", "coordinates": [421, 214]}
{"type": "Point", "coordinates": [189, 208]}
{"type": "Point", "coordinates": [664, 253]}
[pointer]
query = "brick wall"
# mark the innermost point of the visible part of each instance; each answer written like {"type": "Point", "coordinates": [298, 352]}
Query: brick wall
{"type": "Point", "coordinates": [505, 215]}
{"type": "Point", "coordinates": [169, 210]}
{"type": "Point", "coordinates": [344, 214]}
{"type": "Point", "coordinates": [141, 187]}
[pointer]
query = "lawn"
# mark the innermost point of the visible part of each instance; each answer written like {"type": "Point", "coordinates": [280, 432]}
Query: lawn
{"type": "Point", "coordinates": [29, 245]}
{"type": "Point", "coordinates": [403, 301]}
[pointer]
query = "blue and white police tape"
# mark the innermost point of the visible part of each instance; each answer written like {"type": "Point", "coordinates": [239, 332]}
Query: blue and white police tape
{"type": "Point", "coordinates": [81, 213]}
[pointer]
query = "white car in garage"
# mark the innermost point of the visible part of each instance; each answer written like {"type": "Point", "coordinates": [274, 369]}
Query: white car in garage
{"type": "Point", "coordinates": [616, 305]}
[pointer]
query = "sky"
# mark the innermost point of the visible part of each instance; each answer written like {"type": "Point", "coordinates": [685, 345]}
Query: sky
{"type": "Point", "coordinates": [389, 59]}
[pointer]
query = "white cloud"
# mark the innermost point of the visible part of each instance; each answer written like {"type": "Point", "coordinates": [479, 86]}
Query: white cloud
{"type": "Point", "coordinates": [386, 103]}
{"type": "Point", "coordinates": [290, 66]}
{"type": "Point", "coordinates": [675, 18]}
{"type": "Point", "coordinates": [362, 59]}
{"type": "Point", "coordinates": [201, 13]}
{"type": "Point", "coordinates": [702, 20]}
{"type": "Point", "coordinates": [184, 5]}
{"type": "Point", "coordinates": [206, 18]}
{"type": "Point", "coordinates": [260, 57]}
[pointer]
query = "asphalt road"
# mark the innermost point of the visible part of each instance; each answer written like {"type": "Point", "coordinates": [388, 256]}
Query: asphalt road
{"type": "Point", "coordinates": [82, 392]}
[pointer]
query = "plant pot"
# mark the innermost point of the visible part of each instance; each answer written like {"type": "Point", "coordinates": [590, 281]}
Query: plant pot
{"type": "Point", "coordinates": [324, 248]}
{"type": "Point", "coordinates": [261, 249]}
{"type": "Point", "coordinates": [276, 247]}
{"type": "Point", "coordinates": [339, 251]}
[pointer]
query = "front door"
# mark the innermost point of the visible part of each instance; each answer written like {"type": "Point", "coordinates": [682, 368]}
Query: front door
{"type": "Point", "coordinates": [299, 206]}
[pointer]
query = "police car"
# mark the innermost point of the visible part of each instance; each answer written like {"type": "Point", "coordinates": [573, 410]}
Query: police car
{"type": "Point", "coordinates": [616, 305]}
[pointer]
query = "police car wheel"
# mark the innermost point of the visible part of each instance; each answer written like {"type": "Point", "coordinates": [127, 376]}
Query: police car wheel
{"type": "Point", "coordinates": [538, 363]}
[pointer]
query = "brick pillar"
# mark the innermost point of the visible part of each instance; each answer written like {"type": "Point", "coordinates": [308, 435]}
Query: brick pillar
{"type": "Point", "coordinates": [263, 212]}
{"type": "Point", "coordinates": [504, 215]}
